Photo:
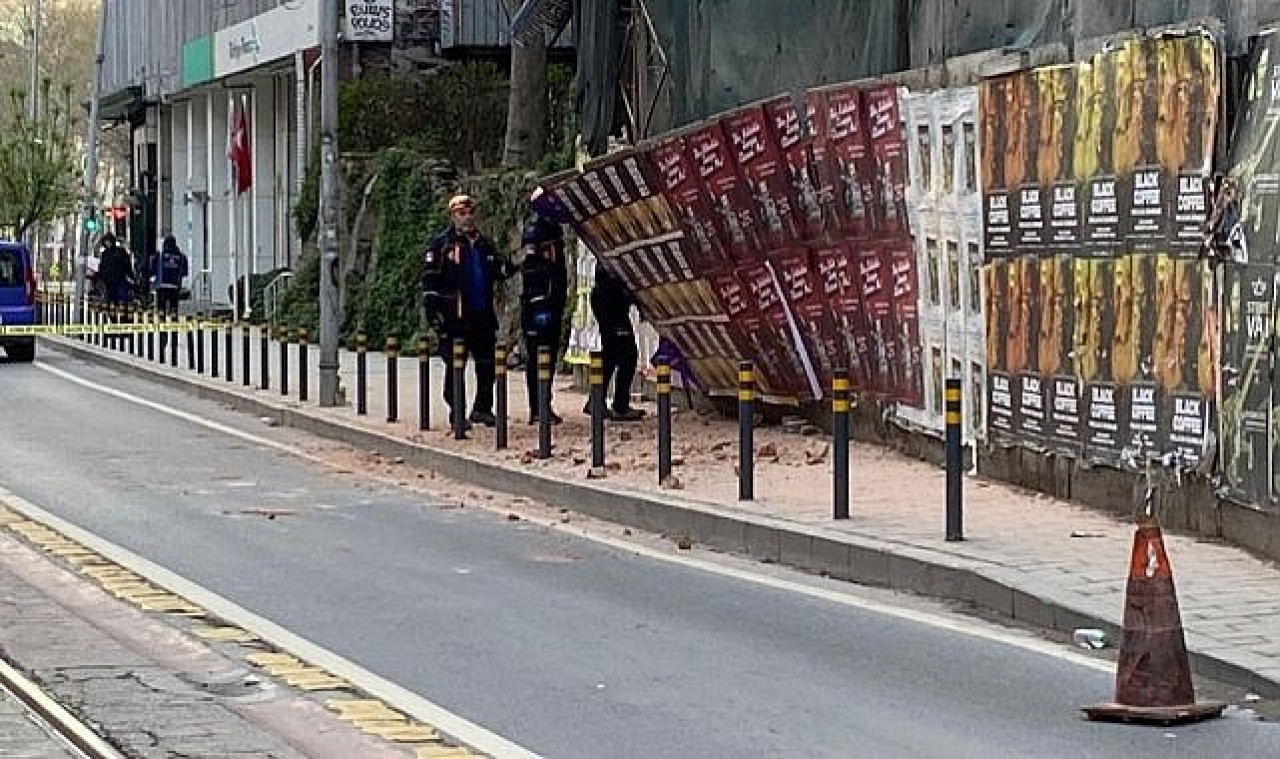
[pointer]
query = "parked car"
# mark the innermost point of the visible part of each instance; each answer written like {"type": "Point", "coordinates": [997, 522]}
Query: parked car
{"type": "Point", "coordinates": [17, 299]}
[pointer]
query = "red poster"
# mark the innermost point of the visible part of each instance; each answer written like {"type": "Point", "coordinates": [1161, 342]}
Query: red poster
{"type": "Point", "coordinates": [837, 271]}
{"type": "Point", "coordinates": [813, 312]}
{"type": "Point", "coordinates": [670, 164]}
{"type": "Point", "coordinates": [909, 377]}
{"type": "Point", "coordinates": [885, 129]}
{"type": "Point", "coordinates": [754, 332]}
{"type": "Point", "coordinates": [797, 162]}
{"type": "Point", "coordinates": [825, 168]}
{"type": "Point", "coordinates": [731, 201]}
{"type": "Point", "coordinates": [875, 274]}
{"type": "Point", "coordinates": [759, 160]}
{"type": "Point", "coordinates": [849, 160]}
{"type": "Point", "coordinates": [788, 356]}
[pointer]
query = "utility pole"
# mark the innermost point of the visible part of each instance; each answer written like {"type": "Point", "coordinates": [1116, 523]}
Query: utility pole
{"type": "Point", "coordinates": [33, 93]}
{"type": "Point", "coordinates": [329, 317]}
{"type": "Point", "coordinates": [91, 165]}
{"type": "Point", "coordinates": [33, 98]}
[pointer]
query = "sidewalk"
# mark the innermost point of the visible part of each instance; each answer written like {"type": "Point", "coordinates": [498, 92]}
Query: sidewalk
{"type": "Point", "coordinates": [148, 688]}
{"type": "Point", "coordinates": [1027, 556]}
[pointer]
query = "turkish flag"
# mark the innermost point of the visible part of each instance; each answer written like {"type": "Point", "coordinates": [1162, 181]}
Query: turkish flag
{"type": "Point", "coordinates": [238, 152]}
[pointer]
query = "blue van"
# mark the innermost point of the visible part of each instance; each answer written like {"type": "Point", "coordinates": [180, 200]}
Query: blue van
{"type": "Point", "coordinates": [17, 299]}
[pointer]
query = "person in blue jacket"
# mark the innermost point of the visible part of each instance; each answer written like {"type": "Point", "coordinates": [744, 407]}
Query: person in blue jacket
{"type": "Point", "coordinates": [544, 292]}
{"type": "Point", "coordinates": [459, 271]}
{"type": "Point", "coordinates": [168, 270]}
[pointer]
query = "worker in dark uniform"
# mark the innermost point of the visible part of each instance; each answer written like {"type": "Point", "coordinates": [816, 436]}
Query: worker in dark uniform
{"type": "Point", "coordinates": [611, 303]}
{"type": "Point", "coordinates": [460, 269]}
{"type": "Point", "coordinates": [169, 269]}
{"type": "Point", "coordinates": [544, 292]}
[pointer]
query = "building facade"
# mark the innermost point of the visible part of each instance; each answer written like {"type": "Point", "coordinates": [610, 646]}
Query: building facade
{"type": "Point", "coordinates": [188, 77]}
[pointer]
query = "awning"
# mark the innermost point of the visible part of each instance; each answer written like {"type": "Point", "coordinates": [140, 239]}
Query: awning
{"type": "Point", "coordinates": [121, 105]}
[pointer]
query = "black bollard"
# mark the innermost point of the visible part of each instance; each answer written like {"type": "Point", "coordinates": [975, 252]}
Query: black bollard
{"type": "Point", "coordinates": [458, 415]}
{"type": "Point", "coordinates": [544, 401]}
{"type": "Point", "coordinates": [840, 443]}
{"type": "Point", "coordinates": [191, 343]}
{"type": "Point", "coordinates": [199, 344]}
{"type": "Point", "coordinates": [362, 376]}
{"type": "Point", "coordinates": [173, 340]}
{"type": "Point", "coordinates": [264, 357]}
{"type": "Point", "coordinates": [746, 433]}
{"type": "Point", "coordinates": [595, 375]}
{"type": "Point", "coordinates": [302, 363]}
{"type": "Point", "coordinates": [955, 463]}
{"type": "Point", "coordinates": [213, 348]}
{"type": "Point", "coordinates": [152, 320]}
{"type": "Point", "coordinates": [246, 351]}
{"type": "Point", "coordinates": [284, 360]}
{"type": "Point", "coordinates": [228, 365]}
{"type": "Point", "coordinates": [424, 384]}
{"type": "Point", "coordinates": [664, 422]}
{"type": "Point", "coordinates": [392, 349]}
{"type": "Point", "coordinates": [500, 399]}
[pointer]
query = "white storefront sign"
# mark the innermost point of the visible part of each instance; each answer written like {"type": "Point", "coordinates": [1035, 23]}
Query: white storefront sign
{"type": "Point", "coordinates": [370, 21]}
{"type": "Point", "coordinates": [267, 37]}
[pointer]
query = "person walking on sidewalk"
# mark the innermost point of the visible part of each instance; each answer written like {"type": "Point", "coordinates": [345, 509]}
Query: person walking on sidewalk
{"type": "Point", "coordinates": [115, 271]}
{"type": "Point", "coordinates": [460, 268]}
{"type": "Point", "coordinates": [169, 270]}
{"type": "Point", "coordinates": [611, 303]}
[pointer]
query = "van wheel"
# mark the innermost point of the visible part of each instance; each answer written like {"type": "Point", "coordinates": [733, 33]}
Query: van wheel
{"type": "Point", "coordinates": [23, 353]}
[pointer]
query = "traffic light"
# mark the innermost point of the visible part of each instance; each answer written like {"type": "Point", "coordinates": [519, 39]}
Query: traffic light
{"type": "Point", "coordinates": [120, 220]}
{"type": "Point", "coordinates": [91, 222]}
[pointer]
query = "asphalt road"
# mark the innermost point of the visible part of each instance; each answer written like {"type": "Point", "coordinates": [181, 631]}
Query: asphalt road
{"type": "Point", "coordinates": [566, 646]}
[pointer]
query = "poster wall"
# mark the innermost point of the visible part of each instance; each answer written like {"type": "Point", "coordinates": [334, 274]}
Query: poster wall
{"type": "Point", "coordinates": [1250, 459]}
{"type": "Point", "coordinates": [944, 209]}
{"type": "Point", "coordinates": [1101, 322]}
{"type": "Point", "coordinates": [777, 232]}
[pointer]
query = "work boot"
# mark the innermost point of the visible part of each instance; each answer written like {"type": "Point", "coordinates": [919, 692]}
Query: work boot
{"type": "Point", "coordinates": [628, 415]}
{"type": "Point", "coordinates": [484, 417]}
{"type": "Point", "coordinates": [466, 426]}
{"type": "Point", "coordinates": [587, 410]}
{"type": "Point", "coordinates": [555, 418]}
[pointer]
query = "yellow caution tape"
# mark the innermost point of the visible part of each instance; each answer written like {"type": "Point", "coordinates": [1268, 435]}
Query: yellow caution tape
{"type": "Point", "coordinates": [121, 328]}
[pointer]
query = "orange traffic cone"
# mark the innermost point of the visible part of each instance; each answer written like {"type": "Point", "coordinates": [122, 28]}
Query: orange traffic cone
{"type": "Point", "coordinates": [1153, 675]}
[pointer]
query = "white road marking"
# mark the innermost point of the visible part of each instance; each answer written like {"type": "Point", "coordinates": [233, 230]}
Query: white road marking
{"type": "Point", "coordinates": [955, 625]}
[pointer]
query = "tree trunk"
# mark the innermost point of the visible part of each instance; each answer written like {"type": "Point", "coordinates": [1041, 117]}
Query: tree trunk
{"type": "Point", "coordinates": [526, 137]}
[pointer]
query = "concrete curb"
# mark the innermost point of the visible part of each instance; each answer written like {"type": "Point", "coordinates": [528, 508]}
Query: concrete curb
{"type": "Point", "coordinates": [855, 558]}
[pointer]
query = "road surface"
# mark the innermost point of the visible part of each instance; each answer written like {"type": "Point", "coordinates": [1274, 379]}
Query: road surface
{"type": "Point", "coordinates": [566, 646]}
